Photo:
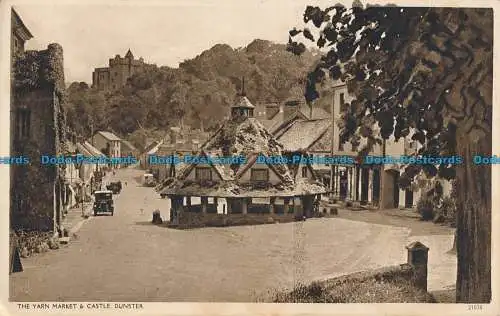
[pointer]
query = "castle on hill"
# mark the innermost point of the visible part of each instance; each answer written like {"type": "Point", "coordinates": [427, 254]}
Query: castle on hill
{"type": "Point", "coordinates": [116, 74]}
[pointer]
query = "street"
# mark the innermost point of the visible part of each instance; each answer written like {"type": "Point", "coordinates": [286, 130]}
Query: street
{"type": "Point", "coordinates": [126, 258]}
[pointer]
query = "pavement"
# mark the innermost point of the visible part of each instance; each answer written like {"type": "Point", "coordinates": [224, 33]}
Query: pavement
{"type": "Point", "coordinates": [77, 216]}
{"type": "Point", "coordinates": [126, 258]}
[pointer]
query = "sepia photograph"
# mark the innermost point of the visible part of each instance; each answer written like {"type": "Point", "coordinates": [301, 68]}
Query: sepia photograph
{"type": "Point", "coordinates": [258, 151]}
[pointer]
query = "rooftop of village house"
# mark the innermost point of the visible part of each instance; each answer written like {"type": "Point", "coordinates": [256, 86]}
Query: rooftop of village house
{"type": "Point", "coordinates": [247, 138]}
{"type": "Point", "coordinates": [302, 134]}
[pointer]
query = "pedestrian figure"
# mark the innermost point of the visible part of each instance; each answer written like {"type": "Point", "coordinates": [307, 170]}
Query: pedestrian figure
{"type": "Point", "coordinates": [125, 183]}
{"type": "Point", "coordinates": [142, 211]}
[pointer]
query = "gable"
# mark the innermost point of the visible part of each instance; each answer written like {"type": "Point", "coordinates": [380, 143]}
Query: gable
{"type": "Point", "coordinates": [190, 172]}
{"type": "Point", "coordinates": [245, 175]}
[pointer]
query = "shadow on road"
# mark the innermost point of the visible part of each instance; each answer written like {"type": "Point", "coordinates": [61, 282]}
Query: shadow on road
{"type": "Point", "coordinates": [148, 223]}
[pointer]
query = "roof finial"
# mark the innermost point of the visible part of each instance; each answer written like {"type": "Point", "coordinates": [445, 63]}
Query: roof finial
{"type": "Point", "coordinates": [243, 93]}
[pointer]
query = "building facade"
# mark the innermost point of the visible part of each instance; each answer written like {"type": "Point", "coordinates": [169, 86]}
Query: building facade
{"type": "Point", "coordinates": [20, 34]}
{"type": "Point", "coordinates": [107, 143]}
{"type": "Point", "coordinates": [118, 71]}
{"type": "Point", "coordinates": [310, 132]}
{"type": "Point", "coordinates": [37, 191]}
{"type": "Point", "coordinates": [240, 192]}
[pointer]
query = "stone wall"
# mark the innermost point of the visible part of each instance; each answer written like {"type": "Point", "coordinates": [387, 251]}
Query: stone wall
{"type": "Point", "coordinates": [196, 220]}
{"type": "Point", "coordinates": [38, 88]}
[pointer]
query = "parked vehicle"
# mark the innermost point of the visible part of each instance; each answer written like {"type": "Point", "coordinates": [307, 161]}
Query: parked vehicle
{"type": "Point", "coordinates": [115, 187]}
{"type": "Point", "coordinates": [103, 202]}
{"type": "Point", "coordinates": [148, 180]}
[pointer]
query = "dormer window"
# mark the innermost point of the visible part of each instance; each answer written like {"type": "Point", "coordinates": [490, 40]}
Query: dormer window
{"type": "Point", "coordinates": [203, 173]}
{"type": "Point", "coordinates": [304, 172]}
{"type": "Point", "coordinates": [259, 175]}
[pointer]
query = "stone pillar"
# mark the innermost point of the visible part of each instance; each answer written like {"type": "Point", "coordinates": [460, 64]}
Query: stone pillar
{"type": "Point", "coordinates": [272, 200]}
{"type": "Point", "coordinates": [352, 185]}
{"type": "Point", "coordinates": [204, 204]}
{"type": "Point", "coordinates": [402, 198]}
{"type": "Point", "coordinates": [358, 183]}
{"type": "Point", "coordinates": [244, 206]}
{"type": "Point", "coordinates": [229, 203]}
{"type": "Point", "coordinates": [370, 185]}
{"type": "Point", "coordinates": [174, 219]}
{"type": "Point", "coordinates": [418, 255]}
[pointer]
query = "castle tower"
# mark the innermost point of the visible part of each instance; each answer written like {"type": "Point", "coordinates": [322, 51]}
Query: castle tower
{"type": "Point", "coordinates": [117, 73]}
{"type": "Point", "coordinates": [243, 108]}
{"type": "Point", "coordinates": [129, 55]}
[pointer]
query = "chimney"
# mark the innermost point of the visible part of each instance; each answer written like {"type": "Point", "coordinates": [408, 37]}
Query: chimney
{"type": "Point", "coordinates": [173, 135]}
{"type": "Point", "coordinates": [271, 110]}
{"type": "Point", "coordinates": [290, 108]}
{"type": "Point", "coordinates": [79, 139]}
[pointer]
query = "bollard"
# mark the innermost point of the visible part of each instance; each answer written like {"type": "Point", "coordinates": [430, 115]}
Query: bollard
{"type": "Point", "coordinates": [157, 217]}
{"type": "Point", "coordinates": [418, 255]}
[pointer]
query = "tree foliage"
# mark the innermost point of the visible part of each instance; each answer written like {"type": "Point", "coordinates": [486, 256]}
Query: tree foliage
{"type": "Point", "coordinates": [427, 70]}
{"type": "Point", "coordinates": [403, 66]}
{"type": "Point", "coordinates": [197, 93]}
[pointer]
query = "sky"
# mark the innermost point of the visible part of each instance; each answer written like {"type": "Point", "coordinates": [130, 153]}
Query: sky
{"type": "Point", "coordinates": [162, 32]}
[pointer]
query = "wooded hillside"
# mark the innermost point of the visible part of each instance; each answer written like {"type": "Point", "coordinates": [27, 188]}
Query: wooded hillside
{"type": "Point", "coordinates": [199, 92]}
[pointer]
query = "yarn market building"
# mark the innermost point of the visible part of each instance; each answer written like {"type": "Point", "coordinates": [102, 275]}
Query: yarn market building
{"type": "Point", "coordinates": [250, 193]}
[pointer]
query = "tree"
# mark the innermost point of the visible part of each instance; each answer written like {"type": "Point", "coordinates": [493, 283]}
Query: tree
{"type": "Point", "coordinates": [427, 69]}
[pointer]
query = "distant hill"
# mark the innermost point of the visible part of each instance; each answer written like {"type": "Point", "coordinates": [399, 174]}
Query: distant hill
{"type": "Point", "coordinates": [199, 92]}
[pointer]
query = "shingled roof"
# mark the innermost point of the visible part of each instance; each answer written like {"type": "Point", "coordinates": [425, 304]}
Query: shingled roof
{"type": "Point", "coordinates": [301, 135]}
{"type": "Point", "coordinates": [109, 136]}
{"type": "Point", "coordinates": [248, 139]}
{"type": "Point", "coordinates": [280, 120]}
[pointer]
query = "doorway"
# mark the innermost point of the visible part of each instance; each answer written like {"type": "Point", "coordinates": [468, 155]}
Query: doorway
{"type": "Point", "coordinates": [376, 186]}
{"type": "Point", "coordinates": [365, 179]}
{"type": "Point", "coordinates": [408, 198]}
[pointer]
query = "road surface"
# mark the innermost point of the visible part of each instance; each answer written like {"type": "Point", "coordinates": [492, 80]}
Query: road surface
{"type": "Point", "coordinates": [126, 258]}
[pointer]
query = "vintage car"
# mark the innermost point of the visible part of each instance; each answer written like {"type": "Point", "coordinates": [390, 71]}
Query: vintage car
{"type": "Point", "coordinates": [115, 187]}
{"type": "Point", "coordinates": [103, 202]}
{"type": "Point", "coordinates": [149, 180]}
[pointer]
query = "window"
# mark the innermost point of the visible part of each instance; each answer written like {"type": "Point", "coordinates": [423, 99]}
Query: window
{"type": "Point", "coordinates": [23, 123]}
{"type": "Point", "coordinates": [304, 172]}
{"type": "Point", "coordinates": [343, 106]}
{"type": "Point", "coordinates": [259, 175]}
{"type": "Point", "coordinates": [203, 173]}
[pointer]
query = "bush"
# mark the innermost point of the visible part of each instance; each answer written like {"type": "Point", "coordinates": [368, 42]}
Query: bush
{"type": "Point", "coordinates": [449, 210]}
{"type": "Point", "coordinates": [31, 242]}
{"type": "Point", "coordinates": [425, 208]}
{"type": "Point", "coordinates": [368, 291]}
